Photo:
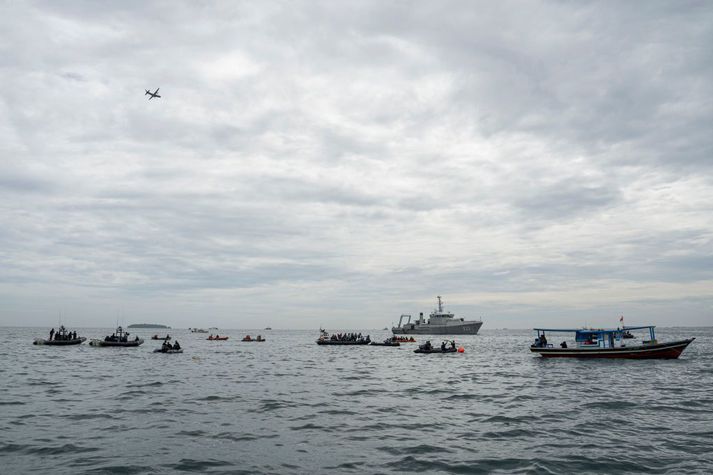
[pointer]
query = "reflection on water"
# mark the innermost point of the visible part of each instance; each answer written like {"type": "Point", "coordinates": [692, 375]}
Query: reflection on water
{"type": "Point", "coordinates": [291, 406]}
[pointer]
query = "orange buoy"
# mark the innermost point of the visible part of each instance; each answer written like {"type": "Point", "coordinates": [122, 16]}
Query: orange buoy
{"type": "Point", "coordinates": [461, 350]}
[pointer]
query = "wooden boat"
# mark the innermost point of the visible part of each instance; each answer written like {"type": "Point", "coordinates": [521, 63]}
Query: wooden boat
{"type": "Point", "coordinates": [607, 343]}
{"type": "Point", "coordinates": [120, 338]}
{"type": "Point", "coordinates": [164, 338]}
{"type": "Point", "coordinates": [217, 338]}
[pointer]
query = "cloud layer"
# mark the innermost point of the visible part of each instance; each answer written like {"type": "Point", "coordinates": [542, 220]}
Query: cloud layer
{"type": "Point", "coordinates": [341, 163]}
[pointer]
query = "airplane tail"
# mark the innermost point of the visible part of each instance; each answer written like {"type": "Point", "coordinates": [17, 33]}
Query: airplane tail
{"type": "Point", "coordinates": [147, 91]}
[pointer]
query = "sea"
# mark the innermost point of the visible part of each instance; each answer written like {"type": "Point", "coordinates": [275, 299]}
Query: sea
{"type": "Point", "coordinates": [291, 406]}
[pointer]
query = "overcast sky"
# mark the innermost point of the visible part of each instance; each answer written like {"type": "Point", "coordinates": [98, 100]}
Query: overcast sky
{"type": "Point", "coordinates": [341, 163]}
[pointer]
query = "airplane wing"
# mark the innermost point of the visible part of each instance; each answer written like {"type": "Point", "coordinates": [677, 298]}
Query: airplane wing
{"type": "Point", "coordinates": [156, 91]}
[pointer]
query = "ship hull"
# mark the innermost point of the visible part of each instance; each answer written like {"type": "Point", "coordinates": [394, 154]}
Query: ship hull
{"type": "Point", "coordinates": [469, 328]}
{"type": "Point", "coordinates": [670, 350]}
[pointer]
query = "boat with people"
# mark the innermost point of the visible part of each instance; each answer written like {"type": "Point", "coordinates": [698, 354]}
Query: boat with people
{"type": "Point", "coordinates": [439, 322]}
{"type": "Point", "coordinates": [342, 339]}
{"type": "Point", "coordinates": [61, 337]}
{"type": "Point", "coordinates": [119, 338]}
{"type": "Point", "coordinates": [217, 338]}
{"type": "Point", "coordinates": [446, 347]}
{"type": "Point", "coordinates": [166, 347]}
{"type": "Point", "coordinates": [403, 339]}
{"type": "Point", "coordinates": [248, 338]}
{"type": "Point", "coordinates": [607, 343]}
{"type": "Point", "coordinates": [627, 335]}
{"type": "Point", "coordinates": [164, 338]}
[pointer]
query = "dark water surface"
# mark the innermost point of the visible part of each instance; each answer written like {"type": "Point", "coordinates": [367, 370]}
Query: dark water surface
{"type": "Point", "coordinates": [290, 406]}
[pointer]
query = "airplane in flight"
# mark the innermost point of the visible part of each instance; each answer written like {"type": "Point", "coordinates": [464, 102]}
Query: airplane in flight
{"type": "Point", "coordinates": [152, 94]}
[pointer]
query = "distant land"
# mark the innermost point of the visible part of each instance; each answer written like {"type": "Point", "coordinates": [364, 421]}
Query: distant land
{"type": "Point", "coordinates": [147, 325]}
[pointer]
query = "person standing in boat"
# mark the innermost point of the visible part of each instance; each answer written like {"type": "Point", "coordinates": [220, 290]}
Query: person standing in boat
{"type": "Point", "coordinates": [51, 334]}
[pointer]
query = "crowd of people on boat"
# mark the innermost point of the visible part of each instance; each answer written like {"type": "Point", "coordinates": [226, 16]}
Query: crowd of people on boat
{"type": "Point", "coordinates": [350, 337]}
{"type": "Point", "coordinates": [166, 346]}
{"type": "Point", "coordinates": [62, 334]}
{"type": "Point", "coordinates": [122, 337]}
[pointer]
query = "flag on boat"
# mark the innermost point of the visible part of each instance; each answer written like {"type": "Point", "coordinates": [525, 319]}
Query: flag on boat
{"type": "Point", "coordinates": [621, 319]}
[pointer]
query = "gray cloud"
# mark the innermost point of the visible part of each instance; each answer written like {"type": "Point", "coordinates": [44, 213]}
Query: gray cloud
{"type": "Point", "coordinates": [341, 163]}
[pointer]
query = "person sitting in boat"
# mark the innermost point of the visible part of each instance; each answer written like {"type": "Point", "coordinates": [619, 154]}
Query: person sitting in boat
{"type": "Point", "coordinates": [427, 346]}
{"type": "Point", "coordinates": [563, 344]}
{"type": "Point", "coordinates": [443, 346]}
{"type": "Point", "coordinates": [137, 338]}
{"type": "Point", "coordinates": [176, 346]}
{"type": "Point", "coordinates": [543, 340]}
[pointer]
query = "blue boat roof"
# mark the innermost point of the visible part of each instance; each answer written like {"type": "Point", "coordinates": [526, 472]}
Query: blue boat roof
{"type": "Point", "coordinates": [593, 330]}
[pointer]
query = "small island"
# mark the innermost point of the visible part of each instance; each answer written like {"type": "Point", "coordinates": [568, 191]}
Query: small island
{"type": "Point", "coordinates": [148, 325]}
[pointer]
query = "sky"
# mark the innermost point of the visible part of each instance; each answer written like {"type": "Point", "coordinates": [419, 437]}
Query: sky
{"type": "Point", "coordinates": [342, 163]}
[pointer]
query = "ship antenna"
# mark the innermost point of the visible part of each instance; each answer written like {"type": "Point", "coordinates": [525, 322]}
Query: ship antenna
{"type": "Point", "coordinates": [440, 306]}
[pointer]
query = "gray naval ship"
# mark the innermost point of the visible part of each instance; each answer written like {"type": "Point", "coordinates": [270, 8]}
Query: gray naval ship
{"type": "Point", "coordinates": [439, 323]}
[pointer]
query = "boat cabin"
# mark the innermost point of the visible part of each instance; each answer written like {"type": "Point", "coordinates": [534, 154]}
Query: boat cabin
{"type": "Point", "coordinates": [594, 338]}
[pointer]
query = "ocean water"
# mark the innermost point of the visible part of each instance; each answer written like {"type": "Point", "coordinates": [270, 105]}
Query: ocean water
{"type": "Point", "coordinates": [290, 406]}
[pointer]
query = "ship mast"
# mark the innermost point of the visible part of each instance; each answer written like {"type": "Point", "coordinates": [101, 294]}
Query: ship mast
{"type": "Point", "coordinates": [440, 305]}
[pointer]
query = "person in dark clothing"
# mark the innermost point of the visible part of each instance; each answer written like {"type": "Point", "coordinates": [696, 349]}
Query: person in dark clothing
{"type": "Point", "coordinates": [51, 334]}
{"type": "Point", "coordinates": [176, 346]}
{"type": "Point", "coordinates": [453, 344]}
{"type": "Point", "coordinates": [543, 340]}
{"type": "Point", "coordinates": [443, 346]}
{"type": "Point", "coordinates": [563, 344]}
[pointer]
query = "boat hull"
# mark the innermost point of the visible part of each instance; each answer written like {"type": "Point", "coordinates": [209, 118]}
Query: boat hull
{"type": "Point", "coordinates": [159, 350]}
{"type": "Point", "coordinates": [341, 343]}
{"type": "Point", "coordinates": [76, 341]}
{"type": "Point", "coordinates": [435, 350]}
{"type": "Point", "coordinates": [670, 350]}
{"type": "Point", "coordinates": [102, 343]}
{"type": "Point", "coordinates": [466, 328]}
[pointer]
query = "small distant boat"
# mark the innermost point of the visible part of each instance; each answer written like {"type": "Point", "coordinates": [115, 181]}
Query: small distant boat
{"type": "Point", "coordinates": [607, 343]}
{"type": "Point", "coordinates": [386, 329]}
{"type": "Point", "coordinates": [403, 339]}
{"type": "Point", "coordinates": [198, 330]}
{"type": "Point", "coordinates": [387, 342]}
{"type": "Point", "coordinates": [61, 338]}
{"type": "Point", "coordinates": [217, 338]}
{"type": "Point", "coordinates": [268, 328]}
{"type": "Point", "coordinates": [120, 338]}
{"type": "Point", "coordinates": [248, 338]}
{"type": "Point", "coordinates": [164, 338]}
